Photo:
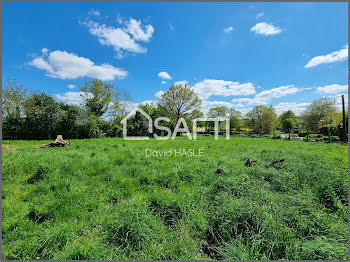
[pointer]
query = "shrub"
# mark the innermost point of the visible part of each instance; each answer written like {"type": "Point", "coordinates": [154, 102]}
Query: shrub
{"type": "Point", "coordinates": [302, 133]}
{"type": "Point", "coordinates": [276, 134]}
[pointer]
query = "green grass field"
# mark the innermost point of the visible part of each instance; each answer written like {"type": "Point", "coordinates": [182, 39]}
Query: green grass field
{"type": "Point", "coordinates": [104, 199]}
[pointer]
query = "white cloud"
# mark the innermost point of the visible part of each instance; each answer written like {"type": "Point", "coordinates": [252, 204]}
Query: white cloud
{"type": "Point", "coordinates": [183, 82]}
{"type": "Point", "coordinates": [228, 29]}
{"type": "Point", "coordinates": [265, 29]}
{"type": "Point", "coordinates": [44, 51]}
{"type": "Point", "coordinates": [264, 97]}
{"type": "Point", "coordinates": [122, 39]}
{"type": "Point", "coordinates": [239, 105]}
{"type": "Point", "coordinates": [120, 19]}
{"type": "Point", "coordinates": [117, 38]}
{"type": "Point", "coordinates": [259, 15]}
{"type": "Point", "coordinates": [64, 65]}
{"type": "Point", "coordinates": [139, 33]}
{"type": "Point", "coordinates": [148, 102]}
{"type": "Point", "coordinates": [41, 63]}
{"type": "Point", "coordinates": [163, 82]}
{"type": "Point", "coordinates": [278, 91]}
{"type": "Point", "coordinates": [71, 86]}
{"type": "Point", "coordinates": [94, 12]}
{"type": "Point", "coordinates": [159, 94]}
{"type": "Point", "coordinates": [129, 106]}
{"type": "Point", "coordinates": [209, 87]}
{"type": "Point", "coordinates": [73, 98]}
{"type": "Point", "coordinates": [206, 105]}
{"type": "Point", "coordinates": [164, 75]}
{"type": "Point", "coordinates": [335, 56]}
{"type": "Point", "coordinates": [297, 108]}
{"type": "Point", "coordinates": [250, 101]}
{"type": "Point", "coordinates": [245, 110]}
{"type": "Point", "coordinates": [332, 89]}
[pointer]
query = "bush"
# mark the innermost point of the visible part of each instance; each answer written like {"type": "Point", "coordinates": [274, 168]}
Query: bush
{"type": "Point", "coordinates": [302, 133]}
{"type": "Point", "coordinates": [276, 134]}
{"type": "Point", "coordinates": [335, 138]}
{"type": "Point", "coordinates": [315, 136]}
{"type": "Point", "coordinates": [332, 138]}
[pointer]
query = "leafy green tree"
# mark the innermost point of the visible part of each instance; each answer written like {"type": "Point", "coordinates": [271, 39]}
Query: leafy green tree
{"type": "Point", "coordinates": [67, 125]}
{"type": "Point", "coordinates": [97, 96]}
{"type": "Point", "coordinates": [269, 120]}
{"type": "Point", "coordinates": [254, 117]}
{"type": "Point", "coordinates": [13, 97]}
{"type": "Point", "coordinates": [120, 105]}
{"type": "Point", "coordinates": [78, 123]}
{"type": "Point", "coordinates": [138, 125]}
{"type": "Point", "coordinates": [196, 114]}
{"type": "Point", "coordinates": [286, 115]}
{"type": "Point", "coordinates": [288, 125]}
{"type": "Point", "coordinates": [331, 123]}
{"type": "Point", "coordinates": [43, 115]}
{"type": "Point", "coordinates": [179, 101]}
{"type": "Point", "coordinates": [151, 109]}
{"type": "Point", "coordinates": [262, 117]}
{"type": "Point", "coordinates": [235, 118]}
{"type": "Point", "coordinates": [13, 128]}
{"type": "Point", "coordinates": [218, 111]}
{"type": "Point", "coordinates": [317, 110]}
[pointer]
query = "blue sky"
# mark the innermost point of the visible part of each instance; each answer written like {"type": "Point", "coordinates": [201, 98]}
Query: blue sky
{"type": "Point", "coordinates": [233, 54]}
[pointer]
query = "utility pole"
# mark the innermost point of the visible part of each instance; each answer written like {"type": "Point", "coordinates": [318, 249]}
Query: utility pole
{"type": "Point", "coordinates": [344, 120]}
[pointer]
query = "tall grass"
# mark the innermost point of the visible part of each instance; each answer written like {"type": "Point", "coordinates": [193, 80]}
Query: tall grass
{"type": "Point", "coordinates": [104, 199]}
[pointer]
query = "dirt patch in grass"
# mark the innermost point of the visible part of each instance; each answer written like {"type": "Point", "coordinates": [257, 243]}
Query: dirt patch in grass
{"type": "Point", "coordinates": [10, 148]}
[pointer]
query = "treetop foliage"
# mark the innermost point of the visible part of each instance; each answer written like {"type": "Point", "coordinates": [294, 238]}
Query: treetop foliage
{"type": "Point", "coordinates": [179, 101]}
{"type": "Point", "coordinates": [97, 96]}
{"type": "Point", "coordinates": [36, 115]}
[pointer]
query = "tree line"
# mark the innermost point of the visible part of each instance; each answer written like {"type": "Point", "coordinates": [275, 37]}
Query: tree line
{"type": "Point", "coordinates": [37, 115]}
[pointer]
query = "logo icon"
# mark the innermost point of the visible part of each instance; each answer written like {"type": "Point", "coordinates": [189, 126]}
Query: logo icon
{"type": "Point", "coordinates": [178, 128]}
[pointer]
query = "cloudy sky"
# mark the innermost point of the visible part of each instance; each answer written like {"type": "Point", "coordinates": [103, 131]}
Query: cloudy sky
{"type": "Point", "coordinates": [234, 54]}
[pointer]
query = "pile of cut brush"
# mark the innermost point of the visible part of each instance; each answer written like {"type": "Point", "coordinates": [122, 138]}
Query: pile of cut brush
{"type": "Point", "coordinates": [59, 142]}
